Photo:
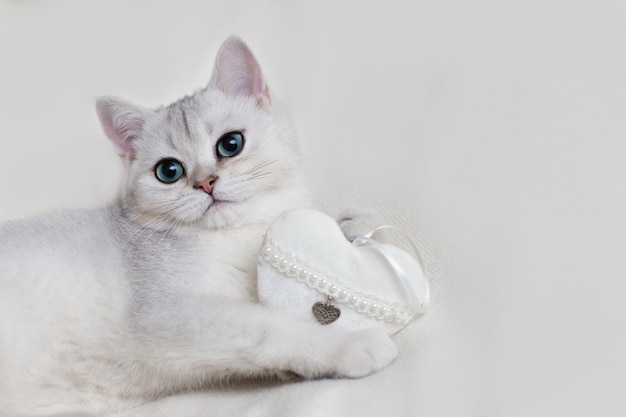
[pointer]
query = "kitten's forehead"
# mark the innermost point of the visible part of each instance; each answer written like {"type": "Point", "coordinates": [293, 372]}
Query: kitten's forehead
{"type": "Point", "coordinates": [178, 115]}
{"type": "Point", "coordinates": [180, 119]}
{"type": "Point", "coordinates": [207, 113]}
{"type": "Point", "coordinates": [189, 128]}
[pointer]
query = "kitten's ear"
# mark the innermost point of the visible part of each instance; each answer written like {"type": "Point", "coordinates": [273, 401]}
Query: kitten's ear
{"type": "Point", "coordinates": [122, 122]}
{"type": "Point", "coordinates": [237, 72]}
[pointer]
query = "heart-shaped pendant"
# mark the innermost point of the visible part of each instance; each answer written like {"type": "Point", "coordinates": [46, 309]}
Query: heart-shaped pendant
{"type": "Point", "coordinates": [326, 313]}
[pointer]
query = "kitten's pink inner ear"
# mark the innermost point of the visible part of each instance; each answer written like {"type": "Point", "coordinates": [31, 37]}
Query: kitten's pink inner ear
{"type": "Point", "coordinates": [238, 73]}
{"type": "Point", "coordinates": [122, 122]}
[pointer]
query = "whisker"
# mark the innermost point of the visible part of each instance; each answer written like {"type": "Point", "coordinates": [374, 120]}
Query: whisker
{"type": "Point", "coordinates": [260, 166]}
{"type": "Point", "coordinates": [173, 226]}
{"type": "Point", "coordinates": [162, 217]}
{"type": "Point", "coordinates": [155, 230]}
{"type": "Point", "coordinates": [257, 176]}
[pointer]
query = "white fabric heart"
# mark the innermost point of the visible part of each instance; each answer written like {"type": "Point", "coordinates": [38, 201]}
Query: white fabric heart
{"type": "Point", "coordinates": [305, 259]}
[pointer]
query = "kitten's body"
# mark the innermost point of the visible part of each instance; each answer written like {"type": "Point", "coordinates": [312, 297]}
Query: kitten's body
{"type": "Point", "coordinates": [103, 310]}
{"type": "Point", "coordinates": [97, 309]}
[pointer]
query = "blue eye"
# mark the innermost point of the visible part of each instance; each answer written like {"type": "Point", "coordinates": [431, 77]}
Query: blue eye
{"type": "Point", "coordinates": [229, 145]}
{"type": "Point", "coordinates": [169, 171]}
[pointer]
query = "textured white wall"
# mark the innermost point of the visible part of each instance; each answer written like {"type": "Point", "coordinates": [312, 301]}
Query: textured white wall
{"type": "Point", "coordinates": [495, 133]}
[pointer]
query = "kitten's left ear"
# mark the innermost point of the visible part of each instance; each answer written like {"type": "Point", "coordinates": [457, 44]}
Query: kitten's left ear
{"type": "Point", "coordinates": [122, 122]}
{"type": "Point", "coordinates": [237, 72]}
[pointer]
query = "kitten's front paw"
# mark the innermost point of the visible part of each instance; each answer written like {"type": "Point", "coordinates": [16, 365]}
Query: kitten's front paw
{"type": "Point", "coordinates": [356, 222]}
{"type": "Point", "coordinates": [364, 353]}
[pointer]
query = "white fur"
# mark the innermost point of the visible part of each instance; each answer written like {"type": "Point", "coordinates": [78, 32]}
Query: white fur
{"type": "Point", "coordinates": [103, 310]}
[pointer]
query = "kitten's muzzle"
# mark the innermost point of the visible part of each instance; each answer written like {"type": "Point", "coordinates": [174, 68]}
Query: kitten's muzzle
{"type": "Point", "coordinates": [206, 184]}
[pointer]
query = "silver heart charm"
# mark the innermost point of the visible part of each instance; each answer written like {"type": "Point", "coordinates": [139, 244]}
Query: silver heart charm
{"type": "Point", "coordinates": [326, 313]}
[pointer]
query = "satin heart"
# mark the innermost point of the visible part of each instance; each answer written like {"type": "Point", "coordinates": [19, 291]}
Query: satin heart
{"type": "Point", "coordinates": [305, 258]}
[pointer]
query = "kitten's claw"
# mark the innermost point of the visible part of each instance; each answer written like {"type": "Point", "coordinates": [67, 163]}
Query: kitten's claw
{"type": "Point", "coordinates": [355, 222]}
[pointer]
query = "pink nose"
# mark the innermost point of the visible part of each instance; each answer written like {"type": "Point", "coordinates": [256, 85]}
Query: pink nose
{"type": "Point", "coordinates": [206, 184]}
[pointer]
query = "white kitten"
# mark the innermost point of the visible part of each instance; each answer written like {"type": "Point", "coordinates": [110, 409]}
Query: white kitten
{"type": "Point", "coordinates": [103, 310]}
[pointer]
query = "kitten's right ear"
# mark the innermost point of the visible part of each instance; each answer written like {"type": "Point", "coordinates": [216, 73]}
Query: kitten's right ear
{"type": "Point", "coordinates": [238, 73]}
{"type": "Point", "coordinates": [122, 122]}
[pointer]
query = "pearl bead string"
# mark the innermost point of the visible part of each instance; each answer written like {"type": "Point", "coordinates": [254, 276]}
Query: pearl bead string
{"type": "Point", "coordinates": [291, 266]}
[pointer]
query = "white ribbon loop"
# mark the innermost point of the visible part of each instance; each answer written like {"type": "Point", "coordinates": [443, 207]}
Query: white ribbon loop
{"type": "Point", "coordinates": [367, 239]}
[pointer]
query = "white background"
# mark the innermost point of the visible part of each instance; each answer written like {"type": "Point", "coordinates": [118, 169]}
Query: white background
{"type": "Point", "coordinates": [493, 132]}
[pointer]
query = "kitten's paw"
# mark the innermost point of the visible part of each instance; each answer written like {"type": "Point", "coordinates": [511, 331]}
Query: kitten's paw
{"type": "Point", "coordinates": [364, 353]}
{"type": "Point", "coordinates": [356, 222]}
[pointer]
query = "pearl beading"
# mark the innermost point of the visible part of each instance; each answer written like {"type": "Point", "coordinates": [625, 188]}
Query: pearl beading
{"type": "Point", "coordinates": [291, 266]}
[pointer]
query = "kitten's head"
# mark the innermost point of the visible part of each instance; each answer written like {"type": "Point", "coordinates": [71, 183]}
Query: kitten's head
{"type": "Point", "coordinates": [220, 158]}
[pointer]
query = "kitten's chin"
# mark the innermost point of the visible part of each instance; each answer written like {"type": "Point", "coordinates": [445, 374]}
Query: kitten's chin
{"type": "Point", "coordinates": [222, 215]}
{"type": "Point", "coordinates": [217, 207]}
{"type": "Point", "coordinates": [262, 208]}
